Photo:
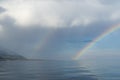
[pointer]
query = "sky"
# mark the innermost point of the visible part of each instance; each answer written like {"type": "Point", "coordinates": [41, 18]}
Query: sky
{"type": "Point", "coordinates": [58, 29]}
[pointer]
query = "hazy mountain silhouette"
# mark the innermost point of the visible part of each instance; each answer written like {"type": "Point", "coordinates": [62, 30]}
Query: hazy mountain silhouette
{"type": "Point", "coordinates": [10, 55]}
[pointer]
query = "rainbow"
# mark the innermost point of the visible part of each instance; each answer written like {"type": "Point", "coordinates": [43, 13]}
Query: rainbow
{"type": "Point", "coordinates": [43, 41]}
{"type": "Point", "coordinates": [92, 43]}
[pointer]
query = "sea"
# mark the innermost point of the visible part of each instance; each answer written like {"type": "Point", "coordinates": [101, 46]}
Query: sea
{"type": "Point", "coordinates": [60, 70]}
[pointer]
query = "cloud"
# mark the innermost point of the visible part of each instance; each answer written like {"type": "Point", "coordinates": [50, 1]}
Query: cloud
{"type": "Point", "coordinates": [51, 43]}
{"type": "Point", "coordinates": [57, 28]}
{"type": "Point", "coordinates": [2, 10]}
{"type": "Point", "coordinates": [58, 13]}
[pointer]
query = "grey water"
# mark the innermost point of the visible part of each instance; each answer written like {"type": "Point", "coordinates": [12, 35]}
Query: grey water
{"type": "Point", "coordinates": [59, 70]}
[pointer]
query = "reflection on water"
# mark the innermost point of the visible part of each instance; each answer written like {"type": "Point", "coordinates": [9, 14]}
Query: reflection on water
{"type": "Point", "coordinates": [105, 69]}
{"type": "Point", "coordinates": [44, 70]}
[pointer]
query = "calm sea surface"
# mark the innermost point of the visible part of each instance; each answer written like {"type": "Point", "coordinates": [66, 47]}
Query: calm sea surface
{"type": "Point", "coordinates": [59, 70]}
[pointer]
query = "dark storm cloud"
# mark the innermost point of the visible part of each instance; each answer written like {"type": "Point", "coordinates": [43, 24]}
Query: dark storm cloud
{"type": "Point", "coordinates": [58, 29]}
{"type": "Point", "coordinates": [23, 41]}
{"type": "Point", "coordinates": [2, 9]}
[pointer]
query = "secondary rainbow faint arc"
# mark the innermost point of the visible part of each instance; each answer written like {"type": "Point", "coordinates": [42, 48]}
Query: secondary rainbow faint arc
{"type": "Point", "coordinates": [100, 37]}
{"type": "Point", "coordinates": [43, 42]}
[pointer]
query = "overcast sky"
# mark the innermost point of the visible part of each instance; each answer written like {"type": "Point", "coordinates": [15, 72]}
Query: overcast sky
{"type": "Point", "coordinates": [56, 29]}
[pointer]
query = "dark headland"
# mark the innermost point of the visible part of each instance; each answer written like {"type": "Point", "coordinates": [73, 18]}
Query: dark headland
{"type": "Point", "coordinates": [10, 55]}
